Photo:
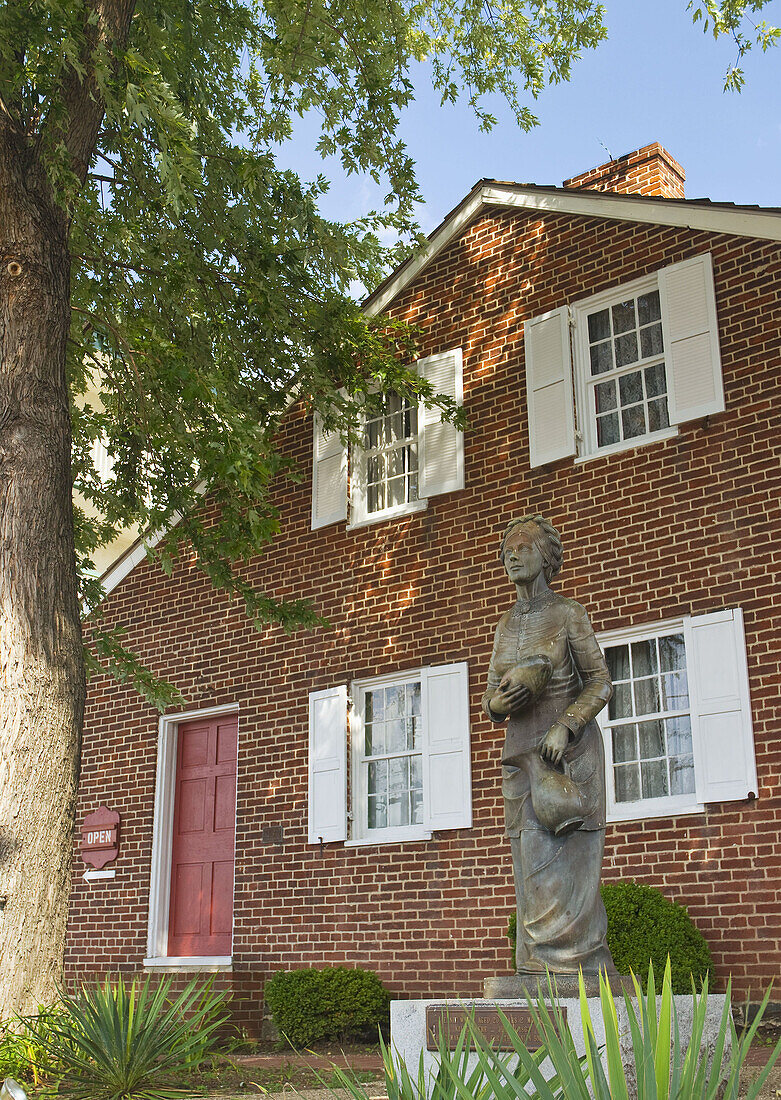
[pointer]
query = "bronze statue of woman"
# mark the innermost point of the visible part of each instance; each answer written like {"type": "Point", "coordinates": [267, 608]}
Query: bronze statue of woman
{"type": "Point", "coordinates": [549, 677]}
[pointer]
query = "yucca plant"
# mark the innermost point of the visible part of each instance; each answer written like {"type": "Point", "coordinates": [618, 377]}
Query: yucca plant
{"type": "Point", "coordinates": [114, 1041]}
{"type": "Point", "coordinates": [493, 1073]}
{"type": "Point", "coordinates": [662, 1068]}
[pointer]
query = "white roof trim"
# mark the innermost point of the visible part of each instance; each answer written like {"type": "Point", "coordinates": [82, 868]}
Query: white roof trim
{"type": "Point", "coordinates": [691, 215]}
{"type": "Point", "coordinates": [125, 564]}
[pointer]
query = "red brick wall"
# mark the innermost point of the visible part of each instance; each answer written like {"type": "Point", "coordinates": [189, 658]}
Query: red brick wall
{"type": "Point", "coordinates": [647, 171]}
{"type": "Point", "coordinates": [688, 525]}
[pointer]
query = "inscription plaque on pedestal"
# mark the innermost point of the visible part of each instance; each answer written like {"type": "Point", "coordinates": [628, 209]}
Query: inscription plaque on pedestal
{"type": "Point", "coordinates": [450, 1022]}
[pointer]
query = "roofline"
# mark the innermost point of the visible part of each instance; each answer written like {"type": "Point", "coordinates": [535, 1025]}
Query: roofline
{"type": "Point", "coordinates": [687, 213]}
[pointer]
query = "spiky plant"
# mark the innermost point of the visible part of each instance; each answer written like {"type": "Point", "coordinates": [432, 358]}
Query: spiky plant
{"type": "Point", "coordinates": [114, 1041]}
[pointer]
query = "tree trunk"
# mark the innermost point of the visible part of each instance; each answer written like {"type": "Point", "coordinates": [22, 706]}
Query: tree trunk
{"type": "Point", "coordinates": [41, 662]}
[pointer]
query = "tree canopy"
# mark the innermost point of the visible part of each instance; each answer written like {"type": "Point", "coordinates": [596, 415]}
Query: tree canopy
{"type": "Point", "coordinates": [206, 287]}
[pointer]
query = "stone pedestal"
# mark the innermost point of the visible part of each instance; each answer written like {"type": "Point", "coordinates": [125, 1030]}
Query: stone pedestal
{"type": "Point", "coordinates": [408, 1027]}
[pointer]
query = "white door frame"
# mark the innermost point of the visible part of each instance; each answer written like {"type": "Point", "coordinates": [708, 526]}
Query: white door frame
{"type": "Point", "coordinates": [162, 841]}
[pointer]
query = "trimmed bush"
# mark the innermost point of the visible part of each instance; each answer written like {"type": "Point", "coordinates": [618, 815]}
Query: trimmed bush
{"type": "Point", "coordinates": [644, 926]}
{"type": "Point", "coordinates": [331, 1003]}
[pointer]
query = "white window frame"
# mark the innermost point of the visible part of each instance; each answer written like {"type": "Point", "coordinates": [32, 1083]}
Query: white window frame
{"type": "Point", "coordinates": [670, 805]}
{"type": "Point", "coordinates": [361, 834]}
{"type": "Point", "coordinates": [584, 391]}
{"type": "Point", "coordinates": [162, 844]}
{"type": "Point", "coordinates": [359, 516]}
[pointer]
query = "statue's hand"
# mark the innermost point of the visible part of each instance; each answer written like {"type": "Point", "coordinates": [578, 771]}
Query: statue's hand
{"type": "Point", "coordinates": [554, 743]}
{"type": "Point", "coordinates": [509, 697]}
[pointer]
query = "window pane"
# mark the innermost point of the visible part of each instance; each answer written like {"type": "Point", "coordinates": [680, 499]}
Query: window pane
{"type": "Point", "coordinates": [658, 417]}
{"type": "Point", "coordinates": [651, 740]}
{"type": "Point", "coordinates": [624, 744]}
{"type": "Point", "coordinates": [644, 657]}
{"type": "Point", "coordinates": [627, 783]}
{"type": "Point", "coordinates": [648, 307]}
{"type": "Point", "coordinates": [631, 388]}
{"type": "Point", "coordinates": [682, 775]}
{"type": "Point", "coordinates": [672, 653]}
{"type": "Point", "coordinates": [394, 701]}
{"type": "Point", "coordinates": [598, 326]}
{"type": "Point", "coordinates": [413, 698]}
{"type": "Point", "coordinates": [624, 316]}
{"type": "Point", "coordinates": [378, 789]}
{"type": "Point", "coordinates": [375, 498]}
{"type": "Point", "coordinates": [633, 421]}
{"type": "Point", "coordinates": [605, 396]}
{"type": "Point", "coordinates": [398, 792]}
{"type": "Point", "coordinates": [396, 736]}
{"type": "Point", "coordinates": [373, 433]}
{"type": "Point", "coordinates": [378, 811]}
{"type": "Point", "coordinates": [601, 357]}
{"type": "Point", "coordinates": [374, 469]}
{"type": "Point", "coordinates": [396, 491]}
{"type": "Point", "coordinates": [675, 691]}
{"type": "Point", "coordinates": [654, 776]}
{"type": "Point", "coordinates": [417, 807]}
{"type": "Point", "coordinates": [647, 696]}
{"type": "Point", "coordinates": [412, 462]}
{"type": "Point", "coordinates": [607, 430]}
{"type": "Point", "coordinates": [413, 733]}
{"type": "Point", "coordinates": [655, 380]}
{"type": "Point", "coordinates": [620, 706]}
{"type": "Point", "coordinates": [651, 341]}
{"type": "Point", "coordinates": [617, 657]}
{"type": "Point", "coordinates": [411, 420]}
{"type": "Point", "coordinates": [679, 735]}
{"type": "Point", "coordinates": [626, 349]}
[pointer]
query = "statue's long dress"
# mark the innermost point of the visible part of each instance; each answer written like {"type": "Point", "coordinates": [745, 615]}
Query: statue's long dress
{"type": "Point", "coordinates": [561, 918]}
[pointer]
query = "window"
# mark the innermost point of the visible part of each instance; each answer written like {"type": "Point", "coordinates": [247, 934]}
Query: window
{"type": "Point", "coordinates": [410, 757]}
{"type": "Point", "coordinates": [388, 760]}
{"type": "Point", "coordinates": [678, 728]}
{"type": "Point", "coordinates": [408, 455]}
{"type": "Point", "coordinates": [626, 381]}
{"type": "Point", "coordinates": [626, 366]}
{"type": "Point", "coordinates": [387, 464]}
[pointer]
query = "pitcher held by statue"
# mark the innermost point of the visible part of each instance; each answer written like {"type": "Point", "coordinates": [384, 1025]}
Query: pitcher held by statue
{"type": "Point", "coordinates": [548, 680]}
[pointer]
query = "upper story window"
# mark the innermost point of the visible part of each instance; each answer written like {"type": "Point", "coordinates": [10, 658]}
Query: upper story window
{"type": "Point", "coordinates": [408, 455]}
{"type": "Point", "coordinates": [624, 367]}
{"type": "Point", "coordinates": [409, 754]}
{"type": "Point", "coordinates": [677, 730]}
{"type": "Point", "coordinates": [627, 381]}
{"type": "Point", "coordinates": [388, 461]}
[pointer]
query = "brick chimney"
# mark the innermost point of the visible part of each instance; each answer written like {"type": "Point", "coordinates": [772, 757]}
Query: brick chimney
{"type": "Point", "coordinates": [648, 171]}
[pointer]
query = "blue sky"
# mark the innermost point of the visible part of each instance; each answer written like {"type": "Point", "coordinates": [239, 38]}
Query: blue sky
{"type": "Point", "coordinates": [657, 78]}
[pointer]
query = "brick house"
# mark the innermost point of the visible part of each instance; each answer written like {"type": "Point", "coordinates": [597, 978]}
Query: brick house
{"type": "Point", "coordinates": [617, 348]}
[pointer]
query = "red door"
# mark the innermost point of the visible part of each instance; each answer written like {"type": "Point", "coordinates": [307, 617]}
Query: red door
{"type": "Point", "coordinates": [201, 913]}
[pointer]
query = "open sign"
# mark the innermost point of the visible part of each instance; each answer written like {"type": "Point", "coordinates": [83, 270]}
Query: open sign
{"type": "Point", "coordinates": [100, 837]}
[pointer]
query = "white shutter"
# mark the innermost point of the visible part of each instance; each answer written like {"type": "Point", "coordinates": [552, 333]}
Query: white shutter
{"type": "Point", "coordinates": [549, 387]}
{"type": "Point", "coordinates": [691, 338]}
{"type": "Point", "coordinates": [441, 446]}
{"type": "Point", "coordinates": [724, 763]}
{"type": "Point", "coordinates": [447, 770]}
{"type": "Point", "coordinates": [329, 477]}
{"type": "Point", "coordinates": [328, 765]}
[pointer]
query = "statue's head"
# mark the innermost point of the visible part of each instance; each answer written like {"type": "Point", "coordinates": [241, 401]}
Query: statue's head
{"type": "Point", "coordinates": [544, 536]}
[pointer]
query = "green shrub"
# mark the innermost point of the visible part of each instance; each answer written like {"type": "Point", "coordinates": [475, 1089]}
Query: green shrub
{"type": "Point", "coordinates": [331, 1003]}
{"type": "Point", "coordinates": [23, 1053]}
{"type": "Point", "coordinates": [644, 926]}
